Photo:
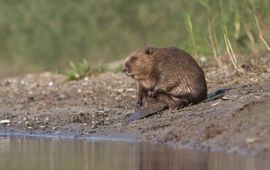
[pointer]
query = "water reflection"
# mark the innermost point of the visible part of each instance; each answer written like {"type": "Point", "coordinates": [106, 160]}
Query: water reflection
{"type": "Point", "coordinates": [59, 154]}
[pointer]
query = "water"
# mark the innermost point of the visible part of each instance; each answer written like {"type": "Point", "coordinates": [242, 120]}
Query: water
{"type": "Point", "coordinates": [31, 153]}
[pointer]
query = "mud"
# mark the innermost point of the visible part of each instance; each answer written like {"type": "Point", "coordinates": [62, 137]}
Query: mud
{"type": "Point", "coordinates": [48, 103]}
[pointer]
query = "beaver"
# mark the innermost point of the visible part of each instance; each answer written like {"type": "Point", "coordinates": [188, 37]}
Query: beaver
{"type": "Point", "coordinates": [168, 75]}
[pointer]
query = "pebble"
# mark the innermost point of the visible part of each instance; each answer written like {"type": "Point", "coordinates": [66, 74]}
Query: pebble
{"type": "Point", "coordinates": [50, 83]}
{"type": "Point", "coordinates": [215, 104]}
{"type": "Point", "coordinates": [47, 119]}
{"type": "Point", "coordinates": [251, 140]}
{"type": "Point", "coordinates": [42, 127]}
{"type": "Point", "coordinates": [225, 98]}
{"type": "Point", "coordinates": [4, 121]}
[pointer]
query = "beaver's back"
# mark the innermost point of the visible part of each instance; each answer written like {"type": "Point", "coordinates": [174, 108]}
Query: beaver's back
{"type": "Point", "coordinates": [182, 72]}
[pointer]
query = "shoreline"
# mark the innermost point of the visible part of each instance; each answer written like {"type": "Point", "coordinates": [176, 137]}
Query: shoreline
{"type": "Point", "coordinates": [236, 123]}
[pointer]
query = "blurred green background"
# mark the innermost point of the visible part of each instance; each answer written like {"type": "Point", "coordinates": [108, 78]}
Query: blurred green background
{"type": "Point", "coordinates": [38, 35]}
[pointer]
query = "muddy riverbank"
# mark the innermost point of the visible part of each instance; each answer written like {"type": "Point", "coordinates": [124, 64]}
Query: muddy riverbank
{"type": "Point", "coordinates": [236, 123]}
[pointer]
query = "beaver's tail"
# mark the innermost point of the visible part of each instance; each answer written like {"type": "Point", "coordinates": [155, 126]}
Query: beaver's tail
{"type": "Point", "coordinates": [216, 94]}
{"type": "Point", "coordinates": [147, 111]}
{"type": "Point", "coordinates": [158, 107]}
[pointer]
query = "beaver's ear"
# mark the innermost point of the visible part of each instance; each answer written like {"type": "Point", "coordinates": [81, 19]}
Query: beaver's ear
{"type": "Point", "coordinates": [149, 51]}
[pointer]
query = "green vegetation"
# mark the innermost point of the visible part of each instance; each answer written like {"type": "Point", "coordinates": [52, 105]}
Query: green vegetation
{"type": "Point", "coordinates": [82, 69]}
{"type": "Point", "coordinates": [46, 34]}
{"type": "Point", "coordinates": [78, 70]}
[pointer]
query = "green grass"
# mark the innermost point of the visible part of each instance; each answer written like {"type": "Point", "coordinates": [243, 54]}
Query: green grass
{"type": "Point", "coordinates": [78, 70]}
{"type": "Point", "coordinates": [82, 69]}
{"type": "Point", "coordinates": [46, 34]}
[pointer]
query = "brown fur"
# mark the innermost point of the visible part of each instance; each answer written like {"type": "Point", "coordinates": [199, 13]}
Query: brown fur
{"type": "Point", "coordinates": [169, 75]}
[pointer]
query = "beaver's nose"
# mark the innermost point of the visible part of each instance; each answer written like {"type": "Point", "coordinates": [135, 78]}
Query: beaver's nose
{"type": "Point", "coordinates": [124, 70]}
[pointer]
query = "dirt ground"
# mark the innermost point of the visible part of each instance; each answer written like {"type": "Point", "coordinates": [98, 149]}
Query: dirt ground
{"type": "Point", "coordinates": [98, 105]}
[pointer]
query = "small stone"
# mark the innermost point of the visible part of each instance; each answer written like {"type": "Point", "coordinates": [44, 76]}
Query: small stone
{"type": "Point", "coordinates": [23, 82]}
{"type": "Point", "coordinates": [251, 140]}
{"type": "Point", "coordinates": [203, 59]}
{"type": "Point", "coordinates": [215, 104]}
{"type": "Point", "coordinates": [50, 83]}
{"type": "Point", "coordinates": [130, 89]}
{"type": "Point", "coordinates": [42, 126]}
{"type": "Point", "coordinates": [47, 119]}
{"type": "Point", "coordinates": [101, 111]}
{"type": "Point", "coordinates": [225, 98]}
{"type": "Point", "coordinates": [62, 96]}
{"type": "Point", "coordinates": [119, 90]}
{"type": "Point", "coordinates": [86, 79]}
{"type": "Point", "coordinates": [4, 121]}
{"type": "Point", "coordinates": [107, 121]}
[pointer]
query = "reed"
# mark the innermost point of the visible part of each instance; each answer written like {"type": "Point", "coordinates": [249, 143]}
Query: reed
{"type": "Point", "coordinates": [46, 34]}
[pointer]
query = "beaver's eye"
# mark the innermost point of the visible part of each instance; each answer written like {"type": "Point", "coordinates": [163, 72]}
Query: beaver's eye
{"type": "Point", "coordinates": [133, 58]}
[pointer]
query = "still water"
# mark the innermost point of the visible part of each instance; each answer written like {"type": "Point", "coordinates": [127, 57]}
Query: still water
{"type": "Point", "coordinates": [21, 153]}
